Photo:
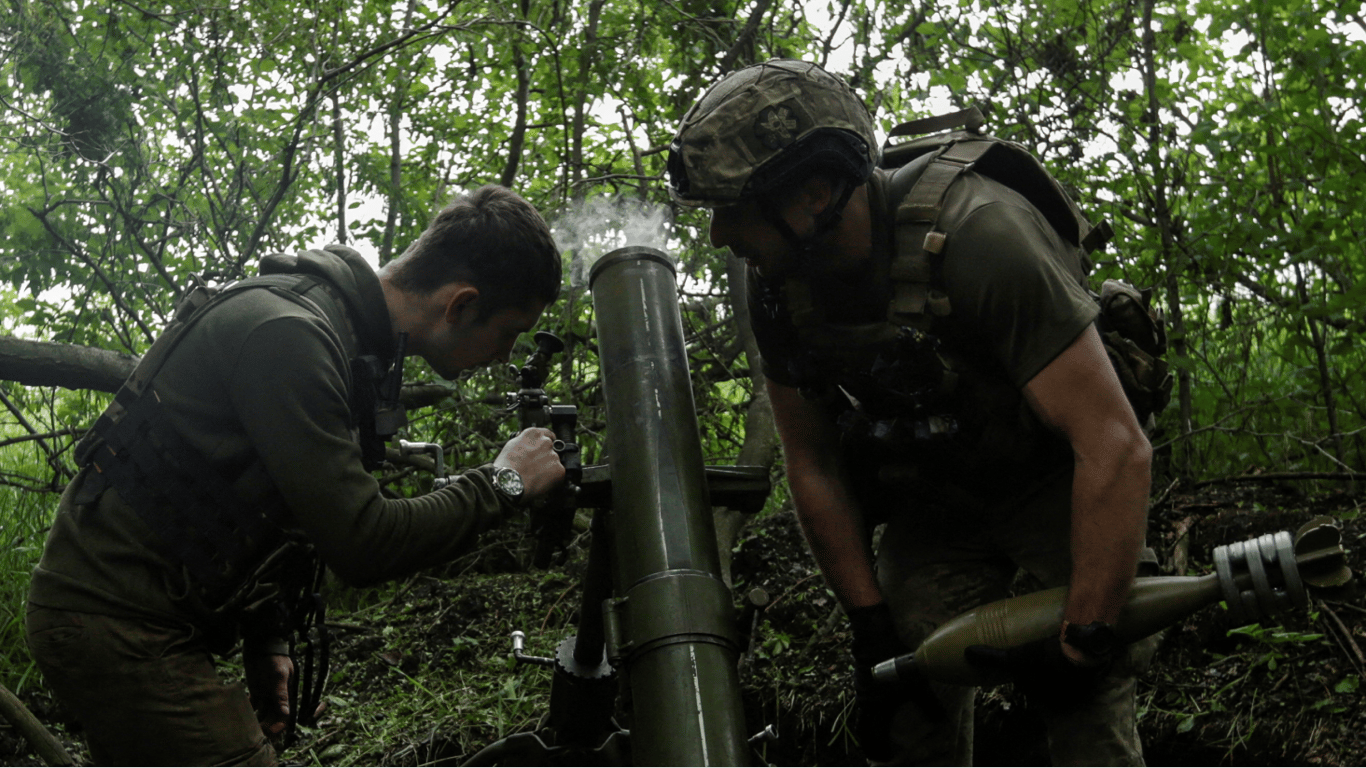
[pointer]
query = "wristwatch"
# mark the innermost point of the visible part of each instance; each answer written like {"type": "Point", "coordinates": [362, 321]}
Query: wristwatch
{"type": "Point", "coordinates": [509, 483]}
{"type": "Point", "coordinates": [1096, 640]}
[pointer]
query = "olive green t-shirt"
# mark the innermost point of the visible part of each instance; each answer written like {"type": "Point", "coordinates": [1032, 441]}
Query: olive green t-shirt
{"type": "Point", "coordinates": [259, 387]}
{"type": "Point", "coordinates": [1017, 298]}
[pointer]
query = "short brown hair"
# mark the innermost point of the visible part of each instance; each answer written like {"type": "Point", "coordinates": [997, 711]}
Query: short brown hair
{"type": "Point", "coordinates": [490, 238]}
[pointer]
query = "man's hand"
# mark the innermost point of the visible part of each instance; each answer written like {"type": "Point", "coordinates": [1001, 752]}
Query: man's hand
{"type": "Point", "coordinates": [875, 641]}
{"type": "Point", "coordinates": [1056, 675]}
{"type": "Point", "coordinates": [532, 455]}
{"type": "Point", "coordinates": [268, 683]}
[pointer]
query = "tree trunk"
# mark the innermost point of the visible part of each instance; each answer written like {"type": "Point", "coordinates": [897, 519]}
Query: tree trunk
{"type": "Point", "coordinates": [587, 59]}
{"type": "Point", "coordinates": [46, 364]}
{"type": "Point", "coordinates": [71, 366]}
{"type": "Point", "coordinates": [1171, 255]}
{"type": "Point", "coordinates": [386, 248]}
{"type": "Point", "coordinates": [761, 433]}
{"type": "Point", "coordinates": [1320, 341]}
{"type": "Point", "coordinates": [518, 137]}
{"type": "Point", "coordinates": [340, 149]}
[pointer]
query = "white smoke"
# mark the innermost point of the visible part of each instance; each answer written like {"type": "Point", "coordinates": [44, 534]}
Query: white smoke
{"type": "Point", "coordinates": [598, 225]}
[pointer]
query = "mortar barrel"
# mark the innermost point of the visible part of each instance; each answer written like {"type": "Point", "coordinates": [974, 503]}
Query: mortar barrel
{"type": "Point", "coordinates": [678, 637]}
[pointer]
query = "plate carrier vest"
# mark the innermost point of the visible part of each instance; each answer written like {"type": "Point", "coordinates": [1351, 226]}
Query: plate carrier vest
{"type": "Point", "coordinates": [900, 354]}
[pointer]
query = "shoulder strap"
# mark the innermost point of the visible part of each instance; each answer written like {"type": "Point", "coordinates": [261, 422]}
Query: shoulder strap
{"type": "Point", "coordinates": [917, 242]}
{"type": "Point", "coordinates": [188, 311]}
{"type": "Point", "coordinates": [917, 239]}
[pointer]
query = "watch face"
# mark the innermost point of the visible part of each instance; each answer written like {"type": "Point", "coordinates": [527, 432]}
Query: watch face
{"type": "Point", "coordinates": [1096, 639]}
{"type": "Point", "coordinates": [509, 482]}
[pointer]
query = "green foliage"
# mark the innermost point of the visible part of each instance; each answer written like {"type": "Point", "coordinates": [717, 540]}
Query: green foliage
{"type": "Point", "coordinates": [429, 657]}
{"type": "Point", "coordinates": [23, 529]}
{"type": "Point", "coordinates": [140, 145]}
{"type": "Point", "coordinates": [194, 140]}
{"type": "Point", "coordinates": [1274, 638]}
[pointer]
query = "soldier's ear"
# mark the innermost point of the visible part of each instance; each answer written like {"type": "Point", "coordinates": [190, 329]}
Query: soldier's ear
{"type": "Point", "coordinates": [816, 194]}
{"type": "Point", "coordinates": [461, 302]}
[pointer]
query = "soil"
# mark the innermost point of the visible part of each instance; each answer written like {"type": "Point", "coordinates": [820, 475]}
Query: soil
{"type": "Point", "coordinates": [421, 674]}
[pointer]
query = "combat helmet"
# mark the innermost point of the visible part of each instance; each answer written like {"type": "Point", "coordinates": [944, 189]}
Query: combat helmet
{"type": "Point", "coordinates": [766, 127]}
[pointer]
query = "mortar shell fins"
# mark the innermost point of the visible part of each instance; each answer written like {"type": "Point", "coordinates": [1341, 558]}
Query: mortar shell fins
{"type": "Point", "coordinates": [1320, 554]}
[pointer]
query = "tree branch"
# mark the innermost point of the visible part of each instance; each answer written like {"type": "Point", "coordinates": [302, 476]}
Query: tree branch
{"type": "Point", "coordinates": [746, 35]}
{"type": "Point", "coordinates": [1264, 293]}
{"type": "Point", "coordinates": [70, 366]}
{"type": "Point", "coordinates": [1275, 477]}
{"type": "Point", "coordinates": [63, 432]}
{"type": "Point", "coordinates": [99, 272]}
{"type": "Point", "coordinates": [52, 456]}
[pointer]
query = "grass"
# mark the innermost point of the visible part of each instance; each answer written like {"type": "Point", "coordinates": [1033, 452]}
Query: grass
{"type": "Point", "coordinates": [421, 670]}
{"type": "Point", "coordinates": [25, 517]}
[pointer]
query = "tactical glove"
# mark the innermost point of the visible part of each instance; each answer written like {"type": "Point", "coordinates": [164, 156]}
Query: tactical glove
{"type": "Point", "coordinates": [1045, 675]}
{"type": "Point", "coordinates": [875, 640]}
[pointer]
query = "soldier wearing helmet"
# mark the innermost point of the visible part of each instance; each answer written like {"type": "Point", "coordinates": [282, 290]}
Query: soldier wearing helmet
{"type": "Point", "coordinates": [991, 437]}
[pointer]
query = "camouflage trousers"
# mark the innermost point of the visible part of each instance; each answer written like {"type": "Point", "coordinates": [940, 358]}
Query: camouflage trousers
{"type": "Point", "coordinates": [933, 566]}
{"type": "Point", "coordinates": [145, 694]}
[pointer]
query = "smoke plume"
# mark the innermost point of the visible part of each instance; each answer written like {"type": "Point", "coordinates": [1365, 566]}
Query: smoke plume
{"type": "Point", "coordinates": [599, 225]}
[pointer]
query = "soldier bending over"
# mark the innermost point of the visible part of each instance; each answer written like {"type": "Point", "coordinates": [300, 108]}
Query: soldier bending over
{"type": "Point", "coordinates": [951, 384]}
{"type": "Point", "coordinates": [237, 454]}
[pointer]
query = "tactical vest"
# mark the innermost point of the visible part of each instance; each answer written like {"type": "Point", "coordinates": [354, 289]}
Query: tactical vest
{"type": "Point", "coordinates": [892, 383]}
{"type": "Point", "coordinates": [1131, 328]}
{"type": "Point", "coordinates": [224, 544]}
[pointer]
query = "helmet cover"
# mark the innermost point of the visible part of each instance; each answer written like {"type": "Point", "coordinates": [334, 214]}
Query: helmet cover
{"type": "Point", "coordinates": [759, 127]}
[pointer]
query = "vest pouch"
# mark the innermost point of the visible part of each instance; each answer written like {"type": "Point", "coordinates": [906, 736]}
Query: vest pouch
{"type": "Point", "coordinates": [1134, 334]}
{"type": "Point", "coordinates": [1129, 312]}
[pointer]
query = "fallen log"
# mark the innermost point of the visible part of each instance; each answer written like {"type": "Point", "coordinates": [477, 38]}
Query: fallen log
{"type": "Point", "coordinates": [49, 749]}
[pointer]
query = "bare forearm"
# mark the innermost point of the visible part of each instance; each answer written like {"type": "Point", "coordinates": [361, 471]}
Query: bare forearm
{"type": "Point", "coordinates": [1079, 396]}
{"type": "Point", "coordinates": [834, 530]}
{"type": "Point", "coordinates": [829, 517]}
{"type": "Point", "coordinates": [1109, 521]}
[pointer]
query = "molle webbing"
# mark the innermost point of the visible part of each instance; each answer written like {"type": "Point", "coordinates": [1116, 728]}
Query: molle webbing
{"type": "Point", "coordinates": [914, 302]}
{"type": "Point", "coordinates": [200, 520]}
{"type": "Point", "coordinates": [192, 509]}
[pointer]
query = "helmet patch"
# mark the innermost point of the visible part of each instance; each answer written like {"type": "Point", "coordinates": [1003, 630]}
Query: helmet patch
{"type": "Point", "coordinates": [777, 126]}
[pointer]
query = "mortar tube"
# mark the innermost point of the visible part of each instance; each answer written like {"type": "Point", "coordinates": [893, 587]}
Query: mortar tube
{"type": "Point", "coordinates": [678, 642]}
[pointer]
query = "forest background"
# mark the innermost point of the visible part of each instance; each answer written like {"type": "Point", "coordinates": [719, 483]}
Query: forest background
{"type": "Point", "coordinates": [145, 142]}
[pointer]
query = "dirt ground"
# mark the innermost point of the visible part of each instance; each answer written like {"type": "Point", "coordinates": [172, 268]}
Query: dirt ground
{"type": "Point", "coordinates": [421, 675]}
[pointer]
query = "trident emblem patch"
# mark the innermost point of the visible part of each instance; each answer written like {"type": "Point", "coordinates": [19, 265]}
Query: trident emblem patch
{"type": "Point", "coordinates": [776, 127]}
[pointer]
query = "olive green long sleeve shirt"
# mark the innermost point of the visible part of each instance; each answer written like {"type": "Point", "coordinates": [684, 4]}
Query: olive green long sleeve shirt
{"type": "Point", "coordinates": [259, 387]}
